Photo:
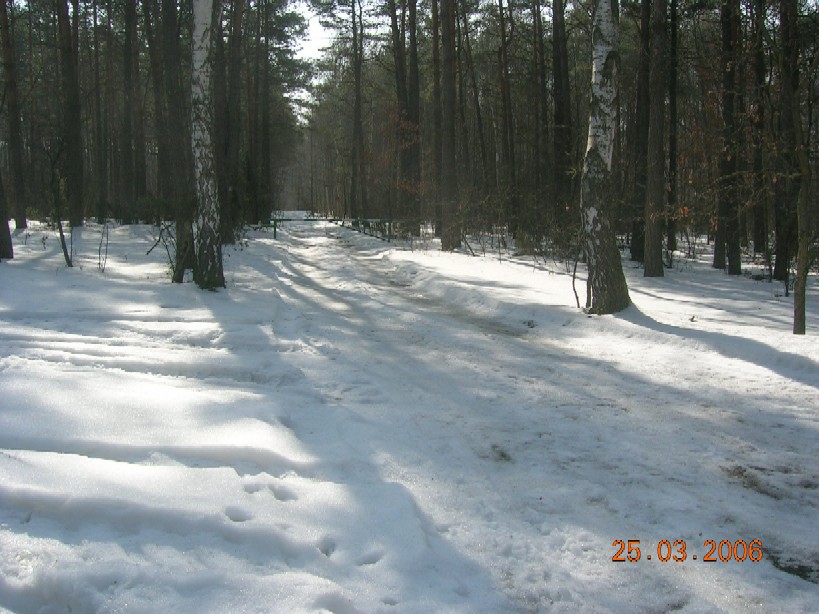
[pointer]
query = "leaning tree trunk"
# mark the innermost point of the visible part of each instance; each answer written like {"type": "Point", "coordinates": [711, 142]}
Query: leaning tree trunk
{"type": "Point", "coordinates": [607, 283]}
{"type": "Point", "coordinates": [207, 271]}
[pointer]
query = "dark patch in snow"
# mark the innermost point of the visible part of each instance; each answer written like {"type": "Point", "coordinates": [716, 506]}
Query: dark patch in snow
{"type": "Point", "coordinates": [808, 572]}
{"type": "Point", "coordinates": [500, 455]}
{"type": "Point", "coordinates": [751, 480]}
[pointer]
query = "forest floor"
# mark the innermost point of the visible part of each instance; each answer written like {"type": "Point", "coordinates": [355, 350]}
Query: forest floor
{"type": "Point", "coordinates": [357, 426]}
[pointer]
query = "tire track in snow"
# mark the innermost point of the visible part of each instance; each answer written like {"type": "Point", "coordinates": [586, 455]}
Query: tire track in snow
{"type": "Point", "coordinates": [470, 385]}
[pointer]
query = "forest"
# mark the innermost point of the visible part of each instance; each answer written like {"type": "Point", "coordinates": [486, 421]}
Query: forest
{"type": "Point", "coordinates": [664, 120]}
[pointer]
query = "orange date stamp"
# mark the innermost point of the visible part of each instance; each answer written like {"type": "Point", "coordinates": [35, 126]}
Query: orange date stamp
{"type": "Point", "coordinates": [713, 551]}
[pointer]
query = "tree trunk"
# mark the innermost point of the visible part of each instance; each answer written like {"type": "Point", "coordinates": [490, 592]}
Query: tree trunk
{"type": "Point", "coordinates": [758, 123]}
{"type": "Point", "coordinates": [357, 183]}
{"type": "Point", "coordinates": [71, 117]}
{"type": "Point", "coordinates": [207, 271]}
{"type": "Point", "coordinates": [607, 283]}
{"type": "Point", "coordinates": [233, 204]}
{"type": "Point", "coordinates": [164, 182]}
{"type": "Point", "coordinates": [508, 148]}
{"type": "Point", "coordinates": [398, 36]}
{"type": "Point", "coordinates": [672, 128]}
{"type": "Point", "coordinates": [564, 150]}
{"type": "Point", "coordinates": [100, 140]}
{"type": "Point", "coordinates": [541, 132]}
{"type": "Point", "coordinates": [180, 172]}
{"type": "Point", "coordinates": [414, 114]}
{"type": "Point", "coordinates": [6, 245]}
{"type": "Point", "coordinates": [436, 115]}
{"type": "Point", "coordinates": [450, 231]}
{"type": "Point", "coordinates": [482, 178]}
{"type": "Point", "coordinates": [789, 17]}
{"type": "Point", "coordinates": [638, 141]}
{"type": "Point", "coordinates": [788, 182]}
{"type": "Point", "coordinates": [128, 147]}
{"type": "Point", "coordinates": [655, 170]}
{"type": "Point", "coordinates": [728, 206]}
{"type": "Point", "coordinates": [19, 195]}
{"type": "Point", "coordinates": [265, 158]}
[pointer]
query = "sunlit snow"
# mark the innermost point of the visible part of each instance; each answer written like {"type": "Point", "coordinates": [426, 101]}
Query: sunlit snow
{"type": "Point", "coordinates": [357, 426]}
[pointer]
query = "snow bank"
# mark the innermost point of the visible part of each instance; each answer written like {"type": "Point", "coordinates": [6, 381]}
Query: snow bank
{"type": "Point", "coordinates": [353, 426]}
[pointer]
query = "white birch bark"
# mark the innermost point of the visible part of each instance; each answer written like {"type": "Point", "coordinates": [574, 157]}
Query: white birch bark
{"type": "Point", "coordinates": [607, 283]}
{"type": "Point", "coordinates": [207, 272]}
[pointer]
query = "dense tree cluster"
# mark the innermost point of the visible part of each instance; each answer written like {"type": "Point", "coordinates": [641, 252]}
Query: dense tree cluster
{"type": "Point", "coordinates": [472, 114]}
{"type": "Point", "coordinates": [710, 97]}
{"type": "Point", "coordinates": [97, 110]}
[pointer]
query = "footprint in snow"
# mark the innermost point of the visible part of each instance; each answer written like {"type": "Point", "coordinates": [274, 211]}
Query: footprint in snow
{"type": "Point", "coordinates": [237, 514]}
{"type": "Point", "coordinates": [335, 603]}
{"type": "Point", "coordinates": [370, 558]}
{"type": "Point", "coordinates": [283, 493]}
{"type": "Point", "coordinates": [326, 545]}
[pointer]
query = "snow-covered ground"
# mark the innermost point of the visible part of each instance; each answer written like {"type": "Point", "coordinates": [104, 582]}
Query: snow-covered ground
{"type": "Point", "coordinates": [353, 426]}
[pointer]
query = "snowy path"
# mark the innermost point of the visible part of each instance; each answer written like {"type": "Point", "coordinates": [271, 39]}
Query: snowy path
{"type": "Point", "coordinates": [352, 427]}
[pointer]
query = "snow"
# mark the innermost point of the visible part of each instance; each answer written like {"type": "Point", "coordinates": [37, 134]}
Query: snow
{"type": "Point", "coordinates": [354, 426]}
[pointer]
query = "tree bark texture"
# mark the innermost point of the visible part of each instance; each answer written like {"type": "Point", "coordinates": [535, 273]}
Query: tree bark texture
{"type": "Point", "coordinates": [607, 284]}
{"type": "Point", "coordinates": [207, 271]}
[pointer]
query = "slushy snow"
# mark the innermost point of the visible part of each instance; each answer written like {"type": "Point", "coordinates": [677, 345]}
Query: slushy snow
{"type": "Point", "coordinates": [357, 426]}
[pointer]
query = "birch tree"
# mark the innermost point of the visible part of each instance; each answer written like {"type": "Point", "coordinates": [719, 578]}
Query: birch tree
{"type": "Point", "coordinates": [207, 270]}
{"type": "Point", "coordinates": [607, 284]}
